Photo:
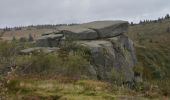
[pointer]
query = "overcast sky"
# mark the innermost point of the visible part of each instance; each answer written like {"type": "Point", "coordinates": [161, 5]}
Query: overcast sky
{"type": "Point", "coordinates": [28, 12]}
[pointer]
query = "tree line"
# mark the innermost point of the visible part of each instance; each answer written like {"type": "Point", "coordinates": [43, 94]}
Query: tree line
{"type": "Point", "coordinates": [47, 26]}
{"type": "Point", "coordinates": [159, 20]}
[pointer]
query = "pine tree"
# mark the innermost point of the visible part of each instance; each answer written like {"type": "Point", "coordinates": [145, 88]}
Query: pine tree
{"type": "Point", "coordinates": [132, 23]}
{"type": "Point", "coordinates": [167, 16]}
{"type": "Point", "coordinates": [141, 22]}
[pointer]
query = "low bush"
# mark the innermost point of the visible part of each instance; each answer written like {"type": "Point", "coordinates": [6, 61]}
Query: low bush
{"type": "Point", "coordinates": [3, 88]}
{"type": "Point", "coordinates": [45, 64]}
{"type": "Point", "coordinates": [164, 87]}
{"type": "Point", "coordinates": [94, 85]}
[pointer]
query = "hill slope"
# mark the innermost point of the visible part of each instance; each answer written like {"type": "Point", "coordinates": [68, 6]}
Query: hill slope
{"type": "Point", "coordinates": [152, 42]}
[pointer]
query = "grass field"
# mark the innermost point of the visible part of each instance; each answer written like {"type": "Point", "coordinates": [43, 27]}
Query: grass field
{"type": "Point", "coordinates": [30, 89]}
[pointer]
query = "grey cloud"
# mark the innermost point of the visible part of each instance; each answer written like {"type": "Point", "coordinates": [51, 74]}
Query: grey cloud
{"type": "Point", "coordinates": [26, 12]}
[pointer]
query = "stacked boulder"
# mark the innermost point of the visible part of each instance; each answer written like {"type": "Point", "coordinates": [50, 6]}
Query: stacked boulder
{"type": "Point", "coordinates": [112, 51]}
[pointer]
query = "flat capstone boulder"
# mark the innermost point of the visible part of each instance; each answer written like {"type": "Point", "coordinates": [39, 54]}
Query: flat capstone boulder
{"type": "Point", "coordinates": [95, 30]}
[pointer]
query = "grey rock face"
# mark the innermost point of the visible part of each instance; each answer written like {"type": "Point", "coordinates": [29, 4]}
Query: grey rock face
{"type": "Point", "coordinates": [38, 49]}
{"type": "Point", "coordinates": [51, 40]}
{"type": "Point", "coordinates": [103, 56]}
{"type": "Point", "coordinates": [111, 49]}
{"type": "Point", "coordinates": [112, 54]}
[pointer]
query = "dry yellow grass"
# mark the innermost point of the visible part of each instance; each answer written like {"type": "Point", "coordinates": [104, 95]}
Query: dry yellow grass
{"type": "Point", "coordinates": [29, 89]}
{"type": "Point", "coordinates": [8, 35]}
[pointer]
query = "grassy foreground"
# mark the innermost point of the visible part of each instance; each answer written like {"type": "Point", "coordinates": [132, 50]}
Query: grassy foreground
{"type": "Point", "coordinates": [67, 89]}
{"type": "Point", "coordinates": [36, 89]}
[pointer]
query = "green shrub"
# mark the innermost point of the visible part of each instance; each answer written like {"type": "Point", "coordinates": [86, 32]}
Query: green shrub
{"type": "Point", "coordinates": [13, 85]}
{"type": "Point", "coordinates": [42, 63]}
{"type": "Point", "coordinates": [164, 86]}
{"type": "Point", "coordinates": [138, 69]}
{"type": "Point", "coordinates": [7, 49]}
{"type": "Point", "coordinates": [118, 76]}
{"type": "Point", "coordinates": [39, 63]}
{"type": "Point", "coordinates": [3, 88]}
{"type": "Point", "coordinates": [76, 65]}
{"type": "Point", "coordinates": [154, 63]}
{"type": "Point", "coordinates": [30, 38]}
{"type": "Point", "coordinates": [23, 39]}
{"type": "Point", "coordinates": [8, 53]}
{"type": "Point", "coordinates": [13, 39]}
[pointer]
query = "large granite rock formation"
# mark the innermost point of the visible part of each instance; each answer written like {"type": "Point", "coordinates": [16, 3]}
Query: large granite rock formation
{"type": "Point", "coordinates": [111, 49]}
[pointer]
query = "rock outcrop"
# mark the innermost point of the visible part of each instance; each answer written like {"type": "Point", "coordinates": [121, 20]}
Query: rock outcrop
{"type": "Point", "coordinates": [51, 40]}
{"type": "Point", "coordinates": [111, 49]}
{"type": "Point", "coordinates": [38, 49]}
{"type": "Point", "coordinates": [95, 30]}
